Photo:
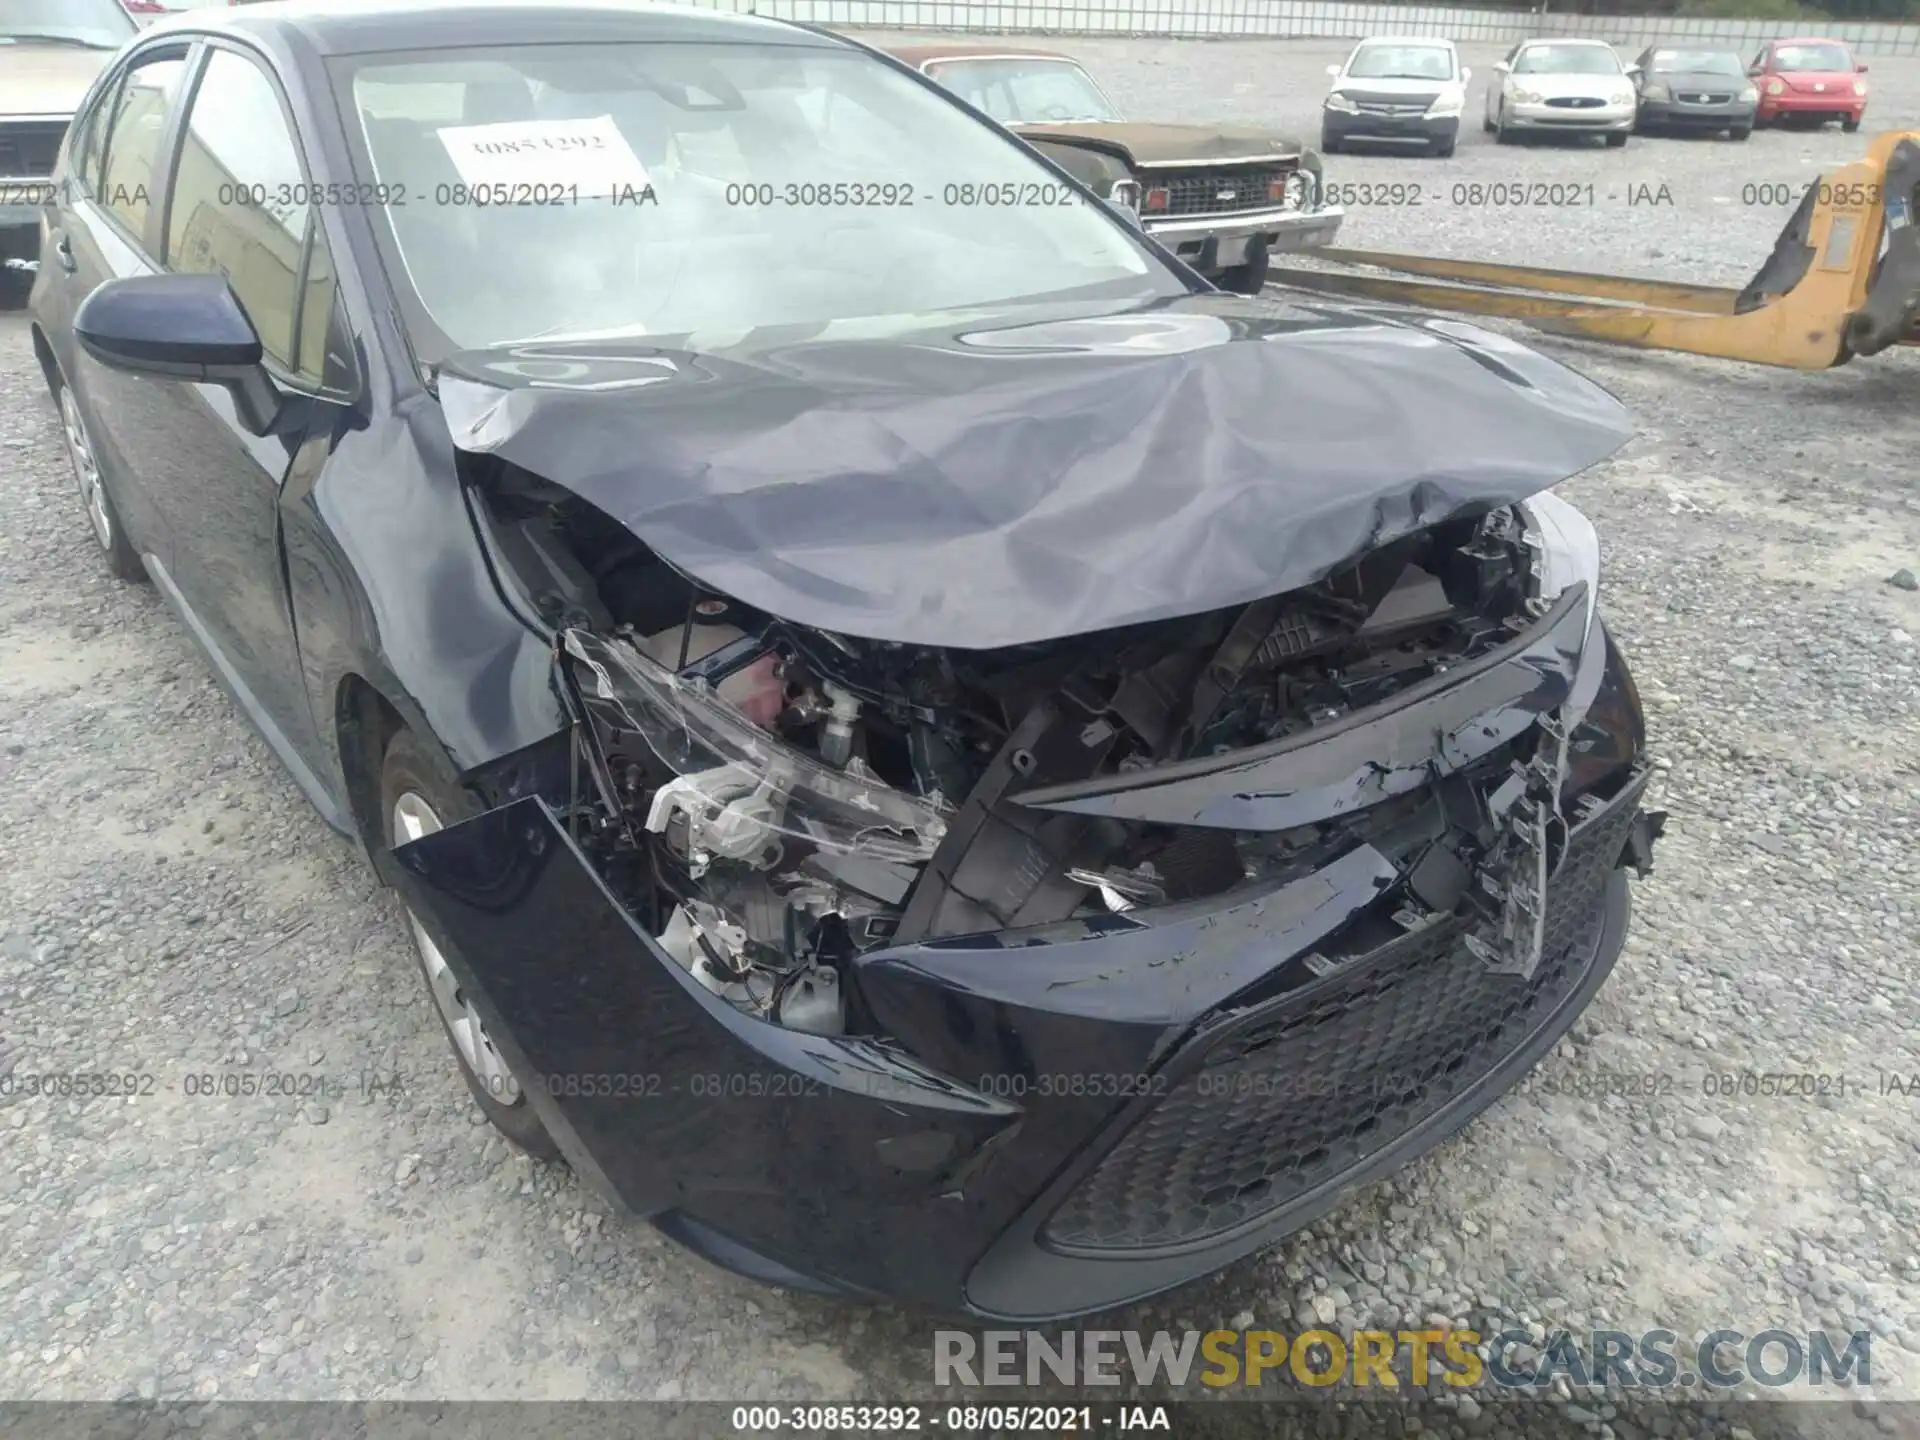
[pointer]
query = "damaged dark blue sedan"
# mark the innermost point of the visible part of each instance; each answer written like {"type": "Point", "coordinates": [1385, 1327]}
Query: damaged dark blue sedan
{"type": "Point", "coordinates": [929, 752]}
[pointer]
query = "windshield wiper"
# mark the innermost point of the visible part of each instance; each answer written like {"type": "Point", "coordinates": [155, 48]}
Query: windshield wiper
{"type": "Point", "coordinates": [17, 38]}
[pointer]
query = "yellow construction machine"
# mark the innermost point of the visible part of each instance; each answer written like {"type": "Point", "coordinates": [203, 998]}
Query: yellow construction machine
{"type": "Point", "coordinates": [1843, 280]}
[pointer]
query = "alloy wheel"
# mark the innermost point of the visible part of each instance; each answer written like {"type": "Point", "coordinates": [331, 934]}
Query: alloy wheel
{"type": "Point", "coordinates": [86, 469]}
{"type": "Point", "coordinates": [413, 817]}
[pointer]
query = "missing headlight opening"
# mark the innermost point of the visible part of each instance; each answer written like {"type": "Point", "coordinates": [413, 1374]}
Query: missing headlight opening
{"type": "Point", "coordinates": [773, 800]}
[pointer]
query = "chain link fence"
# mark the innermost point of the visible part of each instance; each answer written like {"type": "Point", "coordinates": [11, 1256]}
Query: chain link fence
{"type": "Point", "coordinates": [1278, 19]}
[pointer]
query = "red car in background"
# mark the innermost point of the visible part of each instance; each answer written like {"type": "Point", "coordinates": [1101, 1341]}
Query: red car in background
{"type": "Point", "coordinates": [1817, 79]}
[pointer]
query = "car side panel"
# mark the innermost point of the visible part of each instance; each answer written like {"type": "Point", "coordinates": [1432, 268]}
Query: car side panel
{"type": "Point", "coordinates": [388, 582]}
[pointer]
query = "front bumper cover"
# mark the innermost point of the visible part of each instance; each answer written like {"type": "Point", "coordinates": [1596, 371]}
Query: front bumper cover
{"type": "Point", "coordinates": [1030, 1142]}
{"type": "Point", "coordinates": [1596, 120]}
{"type": "Point", "coordinates": [1341, 125]}
{"type": "Point", "coordinates": [1732, 114]}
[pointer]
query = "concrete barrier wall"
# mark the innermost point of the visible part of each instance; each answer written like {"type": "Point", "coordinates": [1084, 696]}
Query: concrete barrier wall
{"type": "Point", "coordinates": [1273, 19]}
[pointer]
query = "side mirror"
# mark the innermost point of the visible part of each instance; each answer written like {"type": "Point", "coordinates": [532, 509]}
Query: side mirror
{"type": "Point", "coordinates": [1501, 67]}
{"type": "Point", "coordinates": [1466, 73]}
{"type": "Point", "coordinates": [1333, 72]}
{"type": "Point", "coordinates": [1633, 70]}
{"type": "Point", "coordinates": [1755, 70]}
{"type": "Point", "coordinates": [1860, 69]}
{"type": "Point", "coordinates": [181, 327]}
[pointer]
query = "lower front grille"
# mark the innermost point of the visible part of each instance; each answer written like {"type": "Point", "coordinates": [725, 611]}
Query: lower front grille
{"type": "Point", "coordinates": [1576, 102]}
{"type": "Point", "coordinates": [1313, 1085]}
{"type": "Point", "coordinates": [1219, 189]}
{"type": "Point", "coordinates": [28, 148]}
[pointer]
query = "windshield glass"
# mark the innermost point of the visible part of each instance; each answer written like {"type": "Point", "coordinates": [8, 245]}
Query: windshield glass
{"type": "Point", "coordinates": [662, 189]}
{"type": "Point", "coordinates": [1025, 89]}
{"type": "Point", "coordinates": [1401, 62]}
{"type": "Point", "coordinates": [95, 24]}
{"type": "Point", "coordinates": [1811, 57]}
{"type": "Point", "coordinates": [1697, 62]}
{"type": "Point", "coordinates": [1567, 60]}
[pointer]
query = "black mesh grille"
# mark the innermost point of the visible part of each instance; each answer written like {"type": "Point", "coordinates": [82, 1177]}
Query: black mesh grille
{"type": "Point", "coordinates": [1217, 189]}
{"type": "Point", "coordinates": [29, 148]}
{"type": "Point", "coordinates": [1310, 1089]}
{"type": "Point", "coordinates": [1577, 102]}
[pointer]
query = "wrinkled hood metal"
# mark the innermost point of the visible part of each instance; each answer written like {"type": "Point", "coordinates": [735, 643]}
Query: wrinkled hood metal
{"type": "Point", "coordinates": [1140, 143]}
{"type": "Point", "coordinates": [993, 482]}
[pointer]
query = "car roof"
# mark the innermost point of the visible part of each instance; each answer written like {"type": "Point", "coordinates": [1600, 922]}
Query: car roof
{"type": "Point", "coordinates": [918, 55]}
{"type": "Point", "coordinates": [1530, 44]}
{"type": "Point", "coordinates": [347, 27]}
{"type": "Point", "coordinates": [1405, 40]}
{"type": "Point", "coordinates": [1808, 40]}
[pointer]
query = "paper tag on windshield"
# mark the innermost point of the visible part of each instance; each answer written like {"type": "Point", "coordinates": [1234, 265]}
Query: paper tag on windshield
{"type": "Point", "coordinates": [591, 156]}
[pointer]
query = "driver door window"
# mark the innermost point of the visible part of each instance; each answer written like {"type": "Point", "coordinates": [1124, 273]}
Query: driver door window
{"type": "Point", "coordinates": [131, 166]}
{"type": "Point", "coordinates": [238, 210]}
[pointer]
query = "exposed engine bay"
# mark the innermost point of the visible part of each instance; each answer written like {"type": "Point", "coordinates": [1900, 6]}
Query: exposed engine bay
{"type": "Point", "coordinates": [771, 800]}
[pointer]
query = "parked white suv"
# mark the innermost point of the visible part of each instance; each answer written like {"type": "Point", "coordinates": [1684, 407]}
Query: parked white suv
{"type": "Point", "coordinates": [1563, 87]}
{"type": "Point", "coordinates": [1396, 90]}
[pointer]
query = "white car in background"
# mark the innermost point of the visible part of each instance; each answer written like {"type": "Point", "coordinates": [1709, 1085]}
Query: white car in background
{"type": "Point", "coordinates": [1561, 87]}
{"type": "Point", "coordinates": [1397, 90]}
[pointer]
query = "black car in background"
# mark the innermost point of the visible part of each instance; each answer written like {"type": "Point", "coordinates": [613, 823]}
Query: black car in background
{"type": "Point", "coordinates": [1697, 91]}
{"type": "Point", "coordinates": [930, 753]}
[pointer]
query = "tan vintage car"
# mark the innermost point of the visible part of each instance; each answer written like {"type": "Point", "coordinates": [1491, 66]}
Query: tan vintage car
{"type": "Point", "coordinates": [50, 53]}
{"type": "Point", "coordinates": [1221, 197]}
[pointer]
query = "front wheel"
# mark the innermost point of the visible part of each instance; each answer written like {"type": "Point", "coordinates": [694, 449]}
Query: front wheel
{"type": "Point", "coordinates": [1501, 135]}
{"type": "Point", "coordinates": [1615, 142]}
{"type": "Point", "coordinates": [1741, 132]}
{"type": "Point", "coordinates": [122, 559]}
{"type": "Point", "coordinates": [419, 794]}
{"type": "Point", "coordinates": [1442, 149]}
{"type": "Point", "coordinates": [1329, 143]}
{"type": "Point", "coordinates": [1851, 127]}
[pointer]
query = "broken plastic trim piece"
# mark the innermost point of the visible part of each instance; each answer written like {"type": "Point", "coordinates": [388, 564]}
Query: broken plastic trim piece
{"type": "Point", "coordinates": [740, 784]}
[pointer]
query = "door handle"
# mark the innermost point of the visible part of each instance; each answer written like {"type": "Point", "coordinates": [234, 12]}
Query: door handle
{"type": "Point", "coordinates": [63, 252]}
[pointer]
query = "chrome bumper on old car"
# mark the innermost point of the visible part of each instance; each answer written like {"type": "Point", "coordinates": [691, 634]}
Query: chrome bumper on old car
{"type": "Point", "coordinates": [1231, 236]}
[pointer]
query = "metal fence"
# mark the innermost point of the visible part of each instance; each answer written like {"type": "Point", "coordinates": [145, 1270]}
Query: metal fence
{"type": "Point", "coordinates": [1276, 19]}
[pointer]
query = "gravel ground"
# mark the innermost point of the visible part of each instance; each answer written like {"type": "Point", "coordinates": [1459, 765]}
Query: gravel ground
{"type": "Point", "coordinates": [169, 906]}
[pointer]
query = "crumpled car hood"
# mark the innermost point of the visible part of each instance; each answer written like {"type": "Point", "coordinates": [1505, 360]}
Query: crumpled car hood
{"type": "Point", "coordinates": [999, 480]}
{"type": "Point", "coordinates": [1143, 143]}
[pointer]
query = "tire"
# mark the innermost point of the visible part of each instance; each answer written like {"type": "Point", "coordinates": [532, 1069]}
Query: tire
{"type": "Point", "coordinates": [1851, 127]}
{"type": "Point", "coordinates": [1501, 135]}
{"type": "Point", "coordinates": [1741, 132]}
{"type": "Point", "coordinates": [1615, 142]}
{"type": "Point", "coordinates": [1442, 149]}
{"type": "Point", "coordinates": [1248, 279]}
{"type": "Point", "coordinates": [420, 793]}
{"type": "Point", "coordinates": [1329, 144]}
{"type": "Point", "coordinates": [123, 561]}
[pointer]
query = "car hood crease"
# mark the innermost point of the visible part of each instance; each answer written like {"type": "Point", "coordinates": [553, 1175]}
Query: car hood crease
{"type": "Point", "coordinates": [1145, 143]}
{"type": "Point", "coordinates": [1012, 483]}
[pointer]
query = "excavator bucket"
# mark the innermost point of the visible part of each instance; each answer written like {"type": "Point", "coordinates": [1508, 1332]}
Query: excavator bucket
{"type": "Point", "coordinates": [1843, 280]}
